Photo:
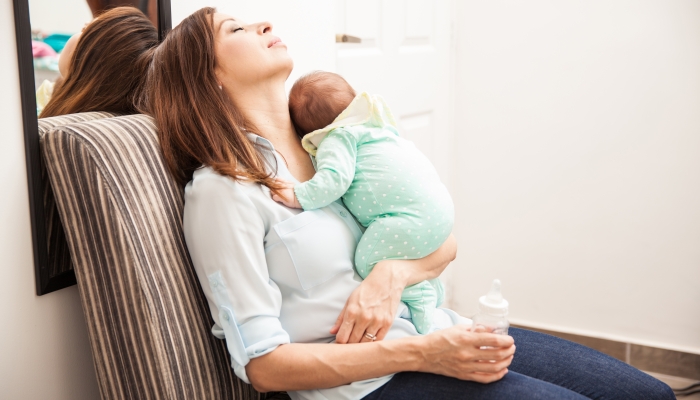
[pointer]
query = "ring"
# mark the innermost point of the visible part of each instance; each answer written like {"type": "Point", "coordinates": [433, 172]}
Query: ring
{"type": "Point", "coordinates": [370, 336]}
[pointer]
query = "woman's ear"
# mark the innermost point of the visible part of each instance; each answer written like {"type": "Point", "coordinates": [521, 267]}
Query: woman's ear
{"type": "Point", "coordinates": [216, 76]}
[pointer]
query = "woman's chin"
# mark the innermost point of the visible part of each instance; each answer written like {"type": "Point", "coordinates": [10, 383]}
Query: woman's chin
{"type": "Point", "coordinates": [289, 66]}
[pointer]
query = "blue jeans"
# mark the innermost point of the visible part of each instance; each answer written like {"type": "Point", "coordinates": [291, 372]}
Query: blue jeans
{"type": "Point", "coordinates": [544, 367]}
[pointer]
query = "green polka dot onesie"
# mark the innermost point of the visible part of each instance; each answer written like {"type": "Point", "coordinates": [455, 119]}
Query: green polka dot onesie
{"type": "Point", "coordinates": [389, 186]}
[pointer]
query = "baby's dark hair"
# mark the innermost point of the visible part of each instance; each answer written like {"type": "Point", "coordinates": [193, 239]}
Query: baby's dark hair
{"type": "Point", "coordinates": [316, 99]}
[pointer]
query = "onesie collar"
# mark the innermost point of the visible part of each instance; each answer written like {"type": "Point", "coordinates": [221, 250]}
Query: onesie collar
{"type": "Point", "coordinates": [363, 109]}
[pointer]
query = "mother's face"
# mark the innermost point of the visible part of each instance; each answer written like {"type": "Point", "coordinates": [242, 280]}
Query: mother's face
{"type": "Point", "coordinates": [248, 53]}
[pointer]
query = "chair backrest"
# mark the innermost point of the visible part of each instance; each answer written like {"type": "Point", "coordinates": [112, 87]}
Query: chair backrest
{"type": "Point", "coordinates": [148, 321]}
{"type": "Point", "coordinates": [58, 255]}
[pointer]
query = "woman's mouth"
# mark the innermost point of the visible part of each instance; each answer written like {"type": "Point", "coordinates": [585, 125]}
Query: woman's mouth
{"type": "Point", "coordinates": [274, 42]}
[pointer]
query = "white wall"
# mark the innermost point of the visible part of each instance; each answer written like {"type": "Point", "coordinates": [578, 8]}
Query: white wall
{"type": "Point", "coordinates": [305, 26]}
{"type": "Point", "coordinates": [59, 16]}
{"type": "Point", "coordinates": [43, 340]}
{"type": "Point", "coordinates": [578, 141]}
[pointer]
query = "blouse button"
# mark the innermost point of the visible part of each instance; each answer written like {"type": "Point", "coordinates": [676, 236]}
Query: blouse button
{"type": "Point", "coordinates": [343, 214]}
{"type": "Point", "coordinates": [226, 317]}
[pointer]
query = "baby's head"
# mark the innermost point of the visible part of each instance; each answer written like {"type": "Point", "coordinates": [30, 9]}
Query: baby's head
{"type": "Point", "coordinates": [316, 99]}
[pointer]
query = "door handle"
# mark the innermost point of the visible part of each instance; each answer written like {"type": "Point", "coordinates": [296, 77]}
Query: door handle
{"type": "Point", "coordinates": [343, 38]}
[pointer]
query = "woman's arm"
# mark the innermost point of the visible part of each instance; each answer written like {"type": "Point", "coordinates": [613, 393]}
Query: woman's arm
{"type": "Point", "coordinates": [452, 352]}
{"type": "Point", "coordinates": [372, 306]}
{"type": "Point", "coordinates": [224, 234]}
{"type": "Point", "coordinates": [426, 268]}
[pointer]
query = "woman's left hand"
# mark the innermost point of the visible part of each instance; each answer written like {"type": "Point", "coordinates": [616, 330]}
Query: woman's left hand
{"type": "Point", "coordinates": [372, 307]}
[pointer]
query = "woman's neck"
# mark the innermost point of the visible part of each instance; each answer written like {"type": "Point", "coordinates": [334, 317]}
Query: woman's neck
{"type": "Point", "coordinates": [267, 109]}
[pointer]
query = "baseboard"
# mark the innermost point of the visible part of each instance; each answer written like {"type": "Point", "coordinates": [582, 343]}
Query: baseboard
{"type": "Point", "coordinates": [647, 358]}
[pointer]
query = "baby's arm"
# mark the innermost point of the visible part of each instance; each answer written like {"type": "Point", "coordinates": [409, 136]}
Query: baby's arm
{"type": "Point", "coordinates": [335, 170]}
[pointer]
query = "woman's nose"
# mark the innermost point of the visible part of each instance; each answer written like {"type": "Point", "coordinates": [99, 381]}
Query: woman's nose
{"type": "Point", "coordinates": [264, 27]}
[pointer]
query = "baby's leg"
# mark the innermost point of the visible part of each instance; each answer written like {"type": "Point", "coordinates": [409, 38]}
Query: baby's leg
{"type": "Point", "coordinates": [421, 299]}
{"type": "Point", "coordinates": [440, 291]}
{"type": "Point", "coordinates": [390, 238]}
{"type": "Point", "coordinates": [367, 251]}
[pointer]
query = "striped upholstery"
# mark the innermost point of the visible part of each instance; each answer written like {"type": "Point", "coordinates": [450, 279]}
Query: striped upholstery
{"type": "Point", "coordinates": [57, 248]}
{"type": "Point", "coordinates": [148, 321]}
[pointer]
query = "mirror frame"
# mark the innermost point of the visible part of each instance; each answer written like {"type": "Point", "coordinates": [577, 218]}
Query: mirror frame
{"type": "Point", "coordinates": [23, 36]}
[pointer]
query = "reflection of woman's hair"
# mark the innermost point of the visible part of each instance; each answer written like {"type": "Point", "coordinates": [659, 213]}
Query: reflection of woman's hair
{"type": "Point", "coordinates": [197, 122]}
{"type": "Point", "coordinates": [107, 66]}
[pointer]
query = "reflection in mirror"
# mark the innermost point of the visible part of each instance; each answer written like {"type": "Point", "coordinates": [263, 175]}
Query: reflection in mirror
{"type": "Point", "coordinates": [83, 61]}
{"type": "Point", "coordinates": [56, 28]}
{"type": "Point", "coordinates": [53, 23]}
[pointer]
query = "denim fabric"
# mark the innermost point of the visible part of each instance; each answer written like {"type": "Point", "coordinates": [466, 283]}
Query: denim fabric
{"type": "Point", "coordinates": [544, 367]}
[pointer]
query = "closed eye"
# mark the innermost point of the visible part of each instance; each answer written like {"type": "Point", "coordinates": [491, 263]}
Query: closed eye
{"type": "Point", "coordinates": [236, 29]}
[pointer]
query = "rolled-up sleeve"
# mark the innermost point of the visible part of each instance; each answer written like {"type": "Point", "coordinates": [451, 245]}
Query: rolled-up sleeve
{"type": "Point", "coordinates": [224, 233]}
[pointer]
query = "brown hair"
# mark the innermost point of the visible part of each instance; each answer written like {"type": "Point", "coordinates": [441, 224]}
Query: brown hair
{"type": "Point", "coordinates": [316, 99]}
{"type": "Point", "coordinates": [197, 122]}
{"type": "Point", "coordinates": [107, 66]}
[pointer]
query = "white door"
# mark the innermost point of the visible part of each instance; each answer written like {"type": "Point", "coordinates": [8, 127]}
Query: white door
{"type": "Point", "coordinates": [405, 56]}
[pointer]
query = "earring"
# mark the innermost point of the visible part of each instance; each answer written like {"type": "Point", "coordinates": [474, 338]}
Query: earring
{"type": "Point", "coordinates": [221, 87]}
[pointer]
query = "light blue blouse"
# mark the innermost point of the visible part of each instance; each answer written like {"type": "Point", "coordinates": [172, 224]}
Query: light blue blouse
{"type": "Point", "coordinates": [274, 275]}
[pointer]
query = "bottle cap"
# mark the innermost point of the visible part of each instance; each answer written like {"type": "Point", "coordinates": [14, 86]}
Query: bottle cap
{"type": "Point", "coordinates": [494, 303]}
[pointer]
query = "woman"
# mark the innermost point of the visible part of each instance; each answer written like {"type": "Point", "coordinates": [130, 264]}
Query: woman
{"type": "Point", "coordinates": [276, 279]}
{"type": "Point", "coordinates": [102, 67]}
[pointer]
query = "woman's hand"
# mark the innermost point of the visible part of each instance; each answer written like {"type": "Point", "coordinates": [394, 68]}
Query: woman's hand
{"type": "Point", "coordinates": [371, 308]}
{"type": "Point", "coordinates": [459, 353]}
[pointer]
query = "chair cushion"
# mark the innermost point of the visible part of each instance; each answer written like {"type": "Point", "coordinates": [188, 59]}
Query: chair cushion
{"type": "Point", "coordinates": [57, 249]}
{"type": "Point", "coordinates": [148, 321]}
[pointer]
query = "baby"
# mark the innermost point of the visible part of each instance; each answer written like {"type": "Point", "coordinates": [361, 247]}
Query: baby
{"type": "Point", "coordinates": [385, 182]}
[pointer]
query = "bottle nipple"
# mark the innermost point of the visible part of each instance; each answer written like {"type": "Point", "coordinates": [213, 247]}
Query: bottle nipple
{"type": "Point", "coordinates": [494, 296]}
{"type": "Point", "coordinates": [494, 303]}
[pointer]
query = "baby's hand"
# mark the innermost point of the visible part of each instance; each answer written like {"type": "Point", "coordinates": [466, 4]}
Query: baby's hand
{"type": "Point", "coordinates": [286, 194]}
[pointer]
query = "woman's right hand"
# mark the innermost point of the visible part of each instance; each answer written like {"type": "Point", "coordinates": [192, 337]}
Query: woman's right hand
{"type": "Point", "coordinates": [466, 355]}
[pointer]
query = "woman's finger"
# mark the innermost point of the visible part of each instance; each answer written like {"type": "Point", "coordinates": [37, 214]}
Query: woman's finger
{"type": "Point", "coordinates": [338, 321]}
{"type": "Point", "coordinates": [495, 354]}
{"type": "Point", "coordinates": [373, 329]}
{"type": "Point", "coordinates": [492, 340]}
{"type": "Point", "coordinates": [345, 330]}
{"type": "Point", "coordinates": [365, 339]}
{"type": "Point", "coordinates": [382, 333]}
{"type": "Point", "coordinates": [358, 330]}
{"type": "Point", "coordinates": [485, 377]}
{"type": "Point", "coordinates": [491, 367]}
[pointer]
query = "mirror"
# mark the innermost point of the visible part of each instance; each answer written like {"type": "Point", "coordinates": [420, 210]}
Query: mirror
{"type": "Point", "coordinates": [43, 29]}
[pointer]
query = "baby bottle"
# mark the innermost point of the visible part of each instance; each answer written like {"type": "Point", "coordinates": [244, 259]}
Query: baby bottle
{"type": "Point", "coordinates": [493, 309]}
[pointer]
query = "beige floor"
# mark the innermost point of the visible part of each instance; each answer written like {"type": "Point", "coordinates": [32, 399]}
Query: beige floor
{"type": "Point", "coordinates": [677, 383]}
